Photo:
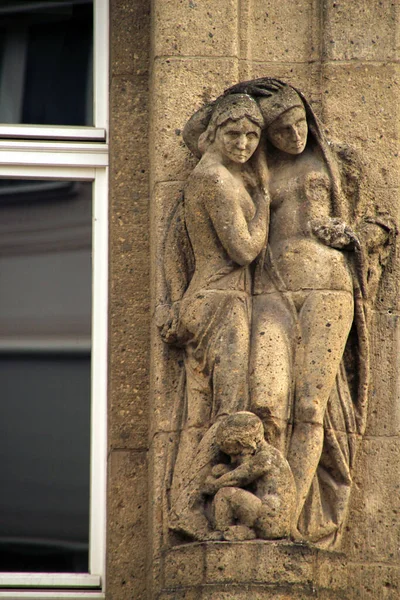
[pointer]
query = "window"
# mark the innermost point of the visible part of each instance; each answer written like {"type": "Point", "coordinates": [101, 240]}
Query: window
{"type": "Point", "coordinates": [53, 308]}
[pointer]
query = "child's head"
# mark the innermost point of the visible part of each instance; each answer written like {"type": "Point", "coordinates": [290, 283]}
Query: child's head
{"type": "Point", "coordinates": [238, 432]}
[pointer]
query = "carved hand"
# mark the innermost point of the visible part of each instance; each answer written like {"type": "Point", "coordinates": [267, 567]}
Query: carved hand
{"type": "Point", "coordinates": [334, 233]}
{"type": "Point", "coordinates": [210, 485]}
{"type": "Point", "coordinates": [220, 469]}
{"type": "Point", "coordinates": [167, 320]}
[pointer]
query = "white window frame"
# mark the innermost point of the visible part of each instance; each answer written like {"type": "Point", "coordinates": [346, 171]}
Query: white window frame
{"type": "Point", "coordinates": [100, 92]}
{"type": "Point", "coordinates": [22, 155]}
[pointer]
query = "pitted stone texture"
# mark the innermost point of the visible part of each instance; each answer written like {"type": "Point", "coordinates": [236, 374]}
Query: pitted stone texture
{"type": "Point", "coordinates": [242, 592]}
{"type": "Point", "coordinates": [384, 404]}
{"type": "Point", "coordinates": [127, 526]}
{"type": "Point", "coordinates": [168, 382]}
{"type": "Point", "coordinates": [167, 373]}
{"type": "Point", "coordinates": [184, 566]}
{"type": "Point", "coordinates": [362, 30]}
{"type": "Point", "coordinates": [275, 35]}
{"type": "Point", "coordinates": [159, 457]}
{"type": "Point", "coordinates": [370, 582]}
{"type": "Point", "coordinates": [183, 85]}
{"type": "Point", "coordinates": [368, 95]}
{"type": "Point", "coordinates": [195, 28]}
{"type": "Point", "coordinates": [318, 247]}
{"type": "Point", "coordinates": [129, 263]}
{"type": "Point", "coordinates": [166, 197]}
{"type": "Point", "coordinates": [372, 531]}
{"type": "Point", "coordinates": [130, 47]}
{"type": "Point", "coordinates": [332, 575]}
{"type": "Point", "coordinates": [387, 199]}
{"type": "Point", "coordinates": [305, 77]}
{"type": "Point", "coordinates": [253, 570]}
{"type": "Point", "coordinates": [260, 562]}
{"type": "Point", "coordinates": [127, 506]}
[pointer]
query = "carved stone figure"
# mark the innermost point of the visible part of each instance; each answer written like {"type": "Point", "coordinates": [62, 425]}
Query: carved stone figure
{"type": "Point", "coordinates": [288, 256]}
{"type": "Point", "coordinates": [254, 494]}
{"type": "Point", "coordinates": [226, 220]}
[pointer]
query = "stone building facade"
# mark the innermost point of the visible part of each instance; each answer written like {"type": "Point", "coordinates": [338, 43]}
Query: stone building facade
{"type": "Point", "coordinates": [168, 57]}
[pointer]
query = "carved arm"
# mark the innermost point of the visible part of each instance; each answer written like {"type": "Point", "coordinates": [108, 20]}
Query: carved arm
{"type": "Point", "coordinates": [242, 240]}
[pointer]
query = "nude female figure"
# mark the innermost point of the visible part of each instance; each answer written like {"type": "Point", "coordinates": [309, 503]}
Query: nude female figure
{"type": "Point", "coordinates": [225, 203]}
{"type": "Point", "coordinates": [314, 279]}
{"type": "Point", "coordinates": [309, 293]}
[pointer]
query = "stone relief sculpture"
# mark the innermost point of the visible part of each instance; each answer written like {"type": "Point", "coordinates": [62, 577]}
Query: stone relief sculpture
{"type": "Point", "coordinates": [271, 262]}
{"type": "Point", "coordinates": [254, 494]}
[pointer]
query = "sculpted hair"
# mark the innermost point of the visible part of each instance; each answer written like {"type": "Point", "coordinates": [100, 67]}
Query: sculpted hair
{"type": "Point", "coordinates": [242, 427]}
{"type": "Point", "coordinates": [230, 108]}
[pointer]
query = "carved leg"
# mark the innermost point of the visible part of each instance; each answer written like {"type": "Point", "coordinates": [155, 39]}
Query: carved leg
{"type": "Point", "coordinates": [230, 361]}
{"type": "Point", "coordinates": [235, 513]}
{"type": "Point", "coordinates": [216, 365]}
{"type": "Point", "coordinates": [325, 320]}
{"type": "Point", "coordinates": [271, 362]}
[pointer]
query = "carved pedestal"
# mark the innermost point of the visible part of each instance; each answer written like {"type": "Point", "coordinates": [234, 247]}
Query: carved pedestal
{"type": "Point", "coordinates": [254, 570]}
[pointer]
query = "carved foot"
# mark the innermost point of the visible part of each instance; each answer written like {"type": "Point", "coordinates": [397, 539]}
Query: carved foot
{"type": "Point", "coordinates": [238, 533]}
{"type": "Point", "coordinates": [196, 527]}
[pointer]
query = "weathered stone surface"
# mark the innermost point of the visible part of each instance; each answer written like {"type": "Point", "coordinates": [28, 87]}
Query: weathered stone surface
{"type": "Point", "coordinates": [195, 28]}
{"type": "Point", "coordinates": [261, 562]}
{"type": "Point", "coordinates": [276, 35]}
{"type": "Point", "coordinates": [184, 566]}
{"type": "Point", "coordinates": [242, 592]}
{"type": "Point", "coordinates": [384, 404]}
{"type": "Point", "coordinates": [387, 199]}
{"type": "Point", "coordinates": [127, 525]}
{"type": "Point", "coordinates": [181, 85]}
{"type": "Point", "coordinates": [332, 575]}
{"type": "Point", "coordinates": [159, 457]}
{"type": "Point", "coordinates": [305, 77]}
{"type": "Point", "coordinates": [130, 47]}
{"type": "Point", "coordinates": [360, 30]}
{"type": "Point", "coordinates": [369, 97]}
{"type": "Point", "coordinates": [254, 570]}
{"type": "Point", "coordinates": [165, 198]}
{"type": "Point", "coordinates": [372, 531]}
{"type": "Point", "coordinates": [360, 106]}
{"type": "Point", "coordinates": [130, 300]}
{"type": "Point", "coordinates": [373, 581]}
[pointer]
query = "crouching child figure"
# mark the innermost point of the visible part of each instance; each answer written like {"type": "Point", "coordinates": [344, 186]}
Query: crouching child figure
{"type": "Point", "coordinates": [254, 494]}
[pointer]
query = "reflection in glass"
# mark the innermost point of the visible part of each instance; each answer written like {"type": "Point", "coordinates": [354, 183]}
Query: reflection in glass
{"type": "Point", "coordinates": [46, 62]}
{"type": "Point", "coordinates": [45, 326]}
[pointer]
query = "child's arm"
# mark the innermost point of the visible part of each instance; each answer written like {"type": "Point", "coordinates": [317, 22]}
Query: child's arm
{"type": "Point", "coordinates": [247, 472]}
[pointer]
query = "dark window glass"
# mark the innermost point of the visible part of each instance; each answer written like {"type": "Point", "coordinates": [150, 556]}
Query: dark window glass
{"type": "Point", "coordinates": [46, 62]}
{"type": "Point", "coordinates": [45, 354]}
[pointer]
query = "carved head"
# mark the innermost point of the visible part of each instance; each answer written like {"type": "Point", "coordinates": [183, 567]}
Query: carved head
{"type": "Point", "coordinates": [289, 131]}
{"type": "Point", "coordinates": [283, 111]}
{"type": "Point", "coordinates": [234, 128]}
{"type": "Point", "coordinates": [285, 119]}
{"type": "Point", "coordinates": [239, 432]}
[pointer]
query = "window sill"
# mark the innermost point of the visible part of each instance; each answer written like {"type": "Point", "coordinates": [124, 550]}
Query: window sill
{"type": "Point", "coordinates": [51, 595]}
{"type": "Point", "coordinates": [32, 586]}
{"type": "Point", "coordinates": [53, 132]}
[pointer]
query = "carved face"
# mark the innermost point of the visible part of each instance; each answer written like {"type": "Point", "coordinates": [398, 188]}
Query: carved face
{"type": "Point", "coordinates": [237, 140]}
{"type": "Point", "coordinates": [289, 131]}
{"type": "Point", "coordinates": [234, 448]}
